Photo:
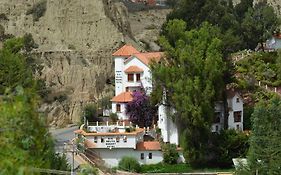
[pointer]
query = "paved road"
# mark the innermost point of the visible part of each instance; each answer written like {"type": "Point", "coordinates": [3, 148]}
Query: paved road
{"type": "Point", "coordinates": [62, 137]}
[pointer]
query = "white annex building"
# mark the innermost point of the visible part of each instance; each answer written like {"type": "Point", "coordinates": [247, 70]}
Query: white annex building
{"type": "Point", "coordinates": [235, 112]}
{"type": "Point", "coordinates": [111, 142]}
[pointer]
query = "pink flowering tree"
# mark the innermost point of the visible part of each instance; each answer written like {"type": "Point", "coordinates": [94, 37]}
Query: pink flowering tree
{"type": "Point", "coordinates": [140, 110]}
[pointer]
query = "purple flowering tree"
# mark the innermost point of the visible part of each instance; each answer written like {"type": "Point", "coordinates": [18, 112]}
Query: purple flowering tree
{"type": "Point", "coordinates": [140, 111]}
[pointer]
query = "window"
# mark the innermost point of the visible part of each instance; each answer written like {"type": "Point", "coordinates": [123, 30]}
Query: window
{"type": "Point", "coordinates": [96, 139]}
{"type": "Point", "coordinates": [217, 118]}
{"type": "Point", "coordinates": [127, 89]}
{"type": "Point", "coordinates": [237, 116]}
{"type": "Point", "coordinates": [130, 77]}
{"type": "Point", "coordinates": [142, 156]}
{"type": "Point", "coordinates": [125, 139]}
{"type": "Point", "coordinates": [138, 77]}
{"type": "Point", "coordinates": [118, 108]}
{"type": "Point", "coordinates": [101, 139]}
{"type": "Point", "coordinates": [150, 155]}
{"type": "Point", "coordinates": [237, 100]}
{"type": "Point", "coordinates": [117, 139]}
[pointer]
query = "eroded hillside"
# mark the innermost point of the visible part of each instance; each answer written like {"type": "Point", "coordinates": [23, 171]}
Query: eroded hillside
{"type": "Point", "coordinates": [75, 39]}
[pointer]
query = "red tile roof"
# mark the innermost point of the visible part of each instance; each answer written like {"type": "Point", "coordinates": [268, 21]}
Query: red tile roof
{"type": "Point", "coordinates": [148, 146]}
{"type": "Point", "coordinates": [123, 97]}
{"type": "Point", "coordinates": [133, 69]}
{"type": "Point", "coordinates": [137, 131]}
{"type": "Point", "coordinates": [126, 51]}
{"type": "Point", "coordinates": [146, 58]}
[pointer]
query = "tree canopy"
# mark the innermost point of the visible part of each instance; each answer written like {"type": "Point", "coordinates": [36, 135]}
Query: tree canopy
{"type": "Point", "coordinates": [192, 77]}
{"type": "Point", "coordinates": [258, 21]}
{"type": "Point", "coordinates": [265, 145]}
{"type": "Point", "coordinates": [24, 139]}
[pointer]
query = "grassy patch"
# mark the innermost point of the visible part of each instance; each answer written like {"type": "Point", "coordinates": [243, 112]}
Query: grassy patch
{"type": "Point", "coordinates": [178, 168]}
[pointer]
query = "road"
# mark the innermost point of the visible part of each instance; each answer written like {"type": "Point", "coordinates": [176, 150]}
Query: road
{"type": "Point", "coordinates": [63, 137]}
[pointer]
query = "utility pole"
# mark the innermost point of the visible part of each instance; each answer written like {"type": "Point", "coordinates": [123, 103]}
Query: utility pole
{"type": "Point", "coordinates": [72, 168]}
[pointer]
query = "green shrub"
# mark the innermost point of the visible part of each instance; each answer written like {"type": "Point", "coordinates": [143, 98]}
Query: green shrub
{"type": "Point", "coordinates": [38, 10]}
{"type": "Point", "coordinates": [129, 164]}
{"type": "Point", "coordinates": [90, 111]}
{"type": "Point", "coordinates": [3, 17]}
{"type": "Point", "coordinates": [88, 170]}
{"type": "Point", "coordinates": [170, 154]}
{"type": "Point", "coordinates": [130, 129]}
{"type": "Point", "coordinates": [113, 117]}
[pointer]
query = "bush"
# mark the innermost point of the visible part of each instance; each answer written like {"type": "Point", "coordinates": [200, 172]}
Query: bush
{"type": "Point", "coordinates": [88, 170]}
{"type": "Point", "coordinates": [90, 111]}
{"type": "Point", "coordinates": [170, 154]}
{"type": "Point", "coordinates": [113, 117]}
{"type": "Point", "coordinates": [38, 10]}
{"type": "Point", "coordinates": [129, 164]}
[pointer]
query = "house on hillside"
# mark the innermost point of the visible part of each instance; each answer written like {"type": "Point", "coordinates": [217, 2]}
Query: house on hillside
{"type": "Point", "coordinates": [235, 112]}
{"type": "Point", "coordinates": [110, 143]}
{"type": "Point", "coordinates": [132, 72]}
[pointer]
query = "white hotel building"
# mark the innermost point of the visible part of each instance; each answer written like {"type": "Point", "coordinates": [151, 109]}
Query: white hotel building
{"type": "Point", "coordinates": [112, 142]}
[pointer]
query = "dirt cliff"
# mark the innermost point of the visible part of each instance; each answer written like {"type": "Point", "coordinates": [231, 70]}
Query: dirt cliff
{"type": "Point", "coordinates": [76, 39]}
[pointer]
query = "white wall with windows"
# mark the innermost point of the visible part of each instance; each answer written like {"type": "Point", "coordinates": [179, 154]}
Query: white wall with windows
{"type": "Point", "coordinates": [145, 76]}
{"type": "Point", "coordinates": [116, 141]}
{"type": "Point", "coordinates": [235, 118]}
{"type": "Point", "coordinates": [113, 156]}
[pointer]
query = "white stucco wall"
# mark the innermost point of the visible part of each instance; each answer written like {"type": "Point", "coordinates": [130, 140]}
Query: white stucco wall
{"type": "Point", "coordinates": [111, 143]}
{"type": "Point", "coordinates": [122, 114]}
{"type": "Point", "coordinates": [119, 74]}
{"type": "Point", "coordinates": [113, 156]}
{"type": "Point", "coordinates": [235, 106]}
{"type": "Point", "coordinates": [168, 128]}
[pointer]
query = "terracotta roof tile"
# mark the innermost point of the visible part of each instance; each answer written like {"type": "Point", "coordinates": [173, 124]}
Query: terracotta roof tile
{"type": "Point", "coordinates": [123, 97]}
{"type": "Point", "coordinates": [132, 69]}
{"type": "Point", "coordinates": [126, 50]}
{"type": "Point", "coordinates": [152, 146]}
{"type": "Point", "coordinates": [137, 131]}
{"type": "Point", "coordinates": [146, 58]}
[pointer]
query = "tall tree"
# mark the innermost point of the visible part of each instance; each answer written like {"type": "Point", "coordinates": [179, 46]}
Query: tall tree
{"type": "Point", "coordinates": [259, 24]}
{"type": "Point", "coordinates": [24, 138]}
{"type": "Point", "coordinates": [265, 155]}
{"type": "Point", "coordinates": [258, 21]}
{"type": "Point", "coordinates": [192, 76]}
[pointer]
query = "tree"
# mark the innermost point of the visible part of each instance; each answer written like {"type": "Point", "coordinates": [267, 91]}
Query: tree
{"type": "Point", "coordinates": [21, 147]}
{"type": "Point", "coordinates": [140, 110]}
{"type": "Point", "coordinates": [265, 155]}
{"type": "Point", "coordinates": [24, 139]}
{"type": "Point", "coordinates": [192, 77]}
{"type": "Point", "coordinates": [14, 70]}
{"type": "Point", "coordinates": [259, 24]}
